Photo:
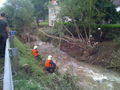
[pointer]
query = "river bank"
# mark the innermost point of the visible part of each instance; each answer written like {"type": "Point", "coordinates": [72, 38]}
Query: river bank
{"type": "Point", "coordinates": [32, 76]}
{"type": "Point", "coordinates": [88, 76]}
{"type": "Point", "coordinates": [105, 54]}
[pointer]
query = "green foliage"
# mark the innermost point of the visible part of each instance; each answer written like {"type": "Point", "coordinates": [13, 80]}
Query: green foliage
{"type": "Point", "coordinates": [36, 78]}
{"type": "Point", "coordinates": [24, 82]}
{"type": "Point", "coordinates": [117, 26]}
{"type": "Point", "coordinates": [19, 13]}
{"type": "Point", "coordinates": [40, 9]}
{"type": "Point", "coordinates": [104, 26]}
{"type": "Point", "coordinates": [25, 56]}
{"type": "Point", "coordinates": [115, 62]}
{"type": "Point", "coordinates": [117, 40]}
{"type": "Point", "coordinates": [87, 16]}
{"type": "Point", "coordinates": [45, 23]}
{"type": "Point", "coordinates": [76, 10]}
{"type": "Point", "coordinates": [105, 12]}
{"type": "Point", "coordinates": [110, 30]}
{"type": "Point", "coordinates": [90, 11]}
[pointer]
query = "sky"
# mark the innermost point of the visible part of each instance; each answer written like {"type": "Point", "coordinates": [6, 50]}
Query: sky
{"type": "Point", "coordinates": [118, 9]}
{"type": "Point", "coordinates": [1, 2]}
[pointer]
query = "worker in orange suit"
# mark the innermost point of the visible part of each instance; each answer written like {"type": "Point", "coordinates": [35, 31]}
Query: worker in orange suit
{"type": "Point", "coordinates": [50, 66]}
{"type": "Point", "coordinates": [35, 53]}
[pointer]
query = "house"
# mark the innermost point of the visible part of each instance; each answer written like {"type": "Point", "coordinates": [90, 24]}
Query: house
{"type": "Point", "coordinates": [53, 12]}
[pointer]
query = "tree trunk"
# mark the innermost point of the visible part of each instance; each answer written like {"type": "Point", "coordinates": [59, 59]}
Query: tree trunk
{"type": "Point", "coordinates": [37, 22]}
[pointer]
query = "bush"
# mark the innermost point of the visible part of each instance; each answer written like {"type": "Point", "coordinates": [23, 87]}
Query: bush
{"type": "Point", "coordinates": [117, 40]}
{"type": "Point", "coordinates": [109, 30]}
{"type": "Point", "coordinates": [115, 62]}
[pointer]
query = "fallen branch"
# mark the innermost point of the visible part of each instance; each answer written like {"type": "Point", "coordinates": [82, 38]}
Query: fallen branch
{"type": "Point", "coordinates": [66, 38]}
{"type": "Point", "coordinates": [54, 37]}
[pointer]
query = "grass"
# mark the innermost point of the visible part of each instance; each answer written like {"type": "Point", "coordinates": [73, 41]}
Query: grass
{"type": "Point", "coordinates": [34, 77]}
{"type": "Point", "coordinates": [106, 26]}
{"type": "Point", "coordinates": [109, 25]}
{"type": "Point", "coordinates": [45, 23]}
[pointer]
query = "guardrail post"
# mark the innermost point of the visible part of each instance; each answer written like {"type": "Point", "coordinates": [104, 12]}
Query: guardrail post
{"type": "Point", "coordinates": [14, 54]}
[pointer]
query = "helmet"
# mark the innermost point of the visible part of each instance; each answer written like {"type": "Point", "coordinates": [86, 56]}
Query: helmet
{"type": "Point", "coordinates": [90, 35]}
{"type": "Point", "coordinates": [35, 47]}
{"type": "Point", "coordinates": [99, 28]}
{"type": "Point", "coordinates": [49, 57]}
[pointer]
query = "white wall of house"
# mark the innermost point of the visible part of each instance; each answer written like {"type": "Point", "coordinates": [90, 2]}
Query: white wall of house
{"type": "Point", "coordinates": [53, 12]}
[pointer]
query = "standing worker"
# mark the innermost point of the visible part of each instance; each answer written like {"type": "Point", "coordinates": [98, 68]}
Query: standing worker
{"type": "Point", "coordinates": [91, 40]}
{"type": "Point", "coordinates": [35, 53]}
{"type": "Point", "coordinates": [100, 33]}
{"type": "Point", "coordinates": [50, 66]}
{"type": "Point", "coordinates": [3, 34]}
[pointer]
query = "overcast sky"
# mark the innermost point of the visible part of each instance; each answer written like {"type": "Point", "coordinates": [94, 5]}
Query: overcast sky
{"type": "Point", "coordinates": [1, 2]}
{"type": "Point", "coordinates": [118, 9]}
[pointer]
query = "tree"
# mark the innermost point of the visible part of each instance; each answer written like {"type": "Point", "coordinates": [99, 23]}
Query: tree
{"type": "Point", "coordinates": [90, 12]}
{"type": "Point", "coordinates": [94, 11]}
{"type": "Point", "coordinates": [85, 14]}
{"type": "Point", "coordinates": [81, 12]}
{"type": "Point", "coordinates": [20, 14]}
{"type": "Point", "coordinates": [40, 9]}
{"type": "Point", "coordinates": [105, 12]}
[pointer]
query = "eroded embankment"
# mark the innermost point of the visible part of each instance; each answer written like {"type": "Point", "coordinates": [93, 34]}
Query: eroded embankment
{"type": "Point", "coordinates": [104, 54]}
{"type": "Point", "coordinates": [89, 77]}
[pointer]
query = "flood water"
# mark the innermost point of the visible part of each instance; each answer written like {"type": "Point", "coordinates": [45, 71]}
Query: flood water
{"type": "Point", "coordinates": [89, 77]}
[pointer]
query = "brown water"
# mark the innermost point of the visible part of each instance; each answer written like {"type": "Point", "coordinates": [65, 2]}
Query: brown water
{"type": "Point", "coordinates": [88, 77]}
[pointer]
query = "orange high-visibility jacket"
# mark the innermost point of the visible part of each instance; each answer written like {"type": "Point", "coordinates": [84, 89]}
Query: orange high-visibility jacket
{"type": "Point", "coordinates": [48, 63]}
{"type": "Point", "coordinates": [35, 52]}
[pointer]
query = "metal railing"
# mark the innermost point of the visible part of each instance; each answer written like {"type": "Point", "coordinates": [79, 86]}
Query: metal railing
{"type": "Point", "coordinates": [7, 81]}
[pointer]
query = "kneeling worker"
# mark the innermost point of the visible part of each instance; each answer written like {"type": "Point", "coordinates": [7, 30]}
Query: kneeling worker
{"type": "Point", "coordinates": [50, 65]}
{"type": "Point", "coordinates": [35, 53]}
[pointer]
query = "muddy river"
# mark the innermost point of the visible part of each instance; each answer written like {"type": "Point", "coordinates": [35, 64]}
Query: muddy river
{"type": "Point", "coordinates": [89, 77]}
